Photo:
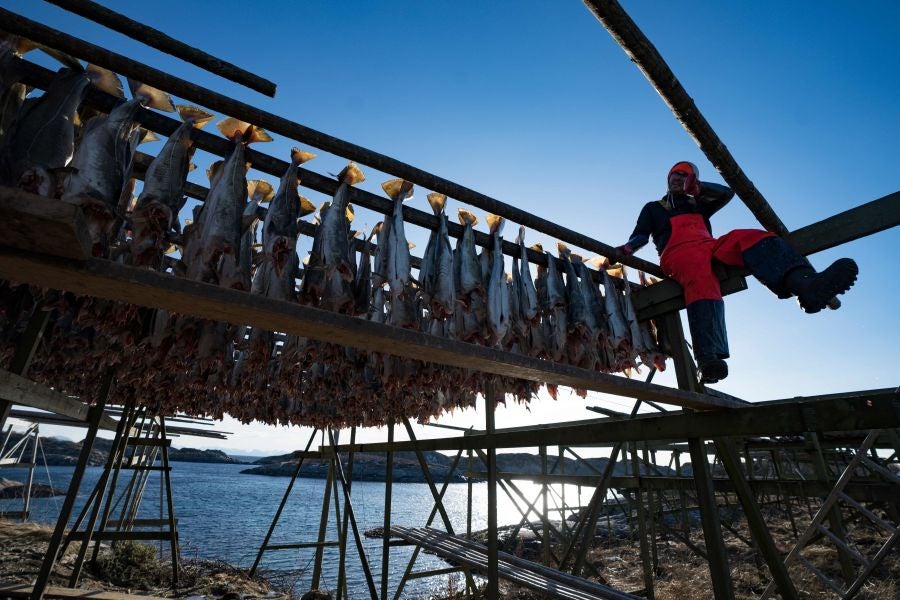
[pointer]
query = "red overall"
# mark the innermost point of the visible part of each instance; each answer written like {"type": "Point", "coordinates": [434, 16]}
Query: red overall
{"type": "Point", "coordinates": [688, 255]}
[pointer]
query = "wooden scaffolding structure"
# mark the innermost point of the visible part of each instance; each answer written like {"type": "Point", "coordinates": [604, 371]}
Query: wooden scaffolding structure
{"type": "Point", "coordinates": [838, 433]}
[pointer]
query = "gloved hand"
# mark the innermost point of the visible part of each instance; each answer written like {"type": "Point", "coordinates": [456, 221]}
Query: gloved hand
{"type": "Point", "coordinates": [625, 249]}
{"type": "Point", "coordinates": [691, 185]}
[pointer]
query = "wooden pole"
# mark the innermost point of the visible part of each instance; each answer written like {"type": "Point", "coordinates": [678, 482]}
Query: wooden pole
{"type": "Point", "coordinates": [156, 39]}
{"type": "Point", "coordinates": [94, 414]}
{"type": "Point", "coordinates": [386, 526]}
{"type": "Point", "coordinates": [643, 54]}
{"type": "Point", "coordinates": [323, 524]}
{"type": "Point", "coordinates": [493, 584]}
{"type": "Point", "coordinates": [170, 503]}
{"type": "Point", "coordinates": [32, 30]}
{"type": "Point", "coordinates": [280, 508]}
{"type": "Point", "coordinates": [342, 558]}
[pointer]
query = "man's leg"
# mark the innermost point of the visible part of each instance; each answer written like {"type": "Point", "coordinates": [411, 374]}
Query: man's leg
{"type": "Point", "coordinates": [691, 266]}
{"type": "Point", "coordinates": [783, 270]}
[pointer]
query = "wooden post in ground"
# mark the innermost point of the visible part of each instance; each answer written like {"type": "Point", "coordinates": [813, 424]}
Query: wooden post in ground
{"type": "Point", "coordinates": [493, 584]}
{"type": "Point", "coordinates": [342, 558]}
{"type": "Point", "coordinates": [545, 525]}
{"type": "Point", "coordinates": [323, 524]}
{"type": "Point", "coordinates": [287, 493]}
{"type": "Point", "coordinates": [170, 503]}
{"type": "Point", "coordinates": [646, 559]}
{"type": "Point", "coordinates": [755, 520]}
{"type": "Point", "coordinates": [95, 412]}
{"type": "Point", "coordinates": [716, 554]}
{"type": "Point", "coordinates": [386, 526]}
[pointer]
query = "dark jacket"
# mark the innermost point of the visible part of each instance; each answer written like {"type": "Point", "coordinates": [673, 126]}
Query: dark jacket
{"type": "Point", "coordinates": [654, 218]}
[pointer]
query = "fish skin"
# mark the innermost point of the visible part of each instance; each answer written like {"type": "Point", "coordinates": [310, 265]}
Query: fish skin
{"type": "Point", "coordinates": [556, 288]}
{"type": "Point", "coordinates": [443, 301]}
{"type": "Point", "coordinates": [362, 284]}
{"type": "Point", "coordinates": [498, 304]}
{"type": "Point", "coordinates": [398, 276]}
{"type": "Point", "coordinates": [470, 279]}
{"type": "Point", "coordinates": [162, 197]}
{"type": "Point", "coordinates": [42, 136]}
{"type": "Point", "coordinates": [529, 306]}
{"type": "Point", "coordinates": [280, 228]}
{"type": "Point", "coordinates": [102, 166]}
{"type": "Point", "coordinates": [618, 327]}
{"type": "Point", "coordinates": [219, 223]}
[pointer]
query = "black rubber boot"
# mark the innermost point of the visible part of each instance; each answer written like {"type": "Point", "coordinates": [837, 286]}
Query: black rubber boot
{"type": "Point", "coordinates": [712, 370]}
{"type": "Point", "coordinates": [814, 290]}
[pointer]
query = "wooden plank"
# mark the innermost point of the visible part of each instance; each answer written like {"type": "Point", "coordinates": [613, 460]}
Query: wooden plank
{"type": "Point", "coordinates": [23, 590]}
{"type": "Point", "coordinates": [874, 409]}
{"type": "Point", "coordinates": [115, 536]}
{"type": "Point", "coordinates": [872, 217]}
{"type": "Point", "coordinates": [20, 390]}
{"type": "Point", "coordinates": [156, 39]}
{"type": "Point", "coordinates": [105, 279]}
{"type": "Point", "coordinates": [42, 225]}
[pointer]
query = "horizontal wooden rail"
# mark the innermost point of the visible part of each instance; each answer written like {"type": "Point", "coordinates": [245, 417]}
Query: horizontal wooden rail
{"type": "Point", "coordinates": [159, 40]}
{"type": "Point", "coordinates": [105, 279]}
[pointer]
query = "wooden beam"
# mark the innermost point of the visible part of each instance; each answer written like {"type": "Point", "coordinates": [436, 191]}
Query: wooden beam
{"type": "Point", "coordinates": [105, 279]}
{"type": "Point", "coordinates": [19, 390]}
{"type": "Point", "coordinates": [156, 39]}
{"type": "Point", "coordinates": [646, 57]}
{"type": "Point", "coordinates": [872, 409]}
{"type": "Point", "coordinates": [42, 224]}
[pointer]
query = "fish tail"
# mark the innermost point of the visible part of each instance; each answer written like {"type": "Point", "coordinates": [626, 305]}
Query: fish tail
{"type": "Point", "coordinates": [467, 217]}
{"type": "Point", "coordinates": [398, 189]}
{"type": "Point", "coordinates": [495, 223]}
{"type": "Point", "coordinates": [437, 202]}
{"type": "Point", "coordinates": [563, 250]}
{"type": "Point", "coordinates": [298, 156]}
{"type": "Point", "coordinates": [105, 80]}
{"type": "Point", "coordinates": [237, 130]}
{"type": "Point", "coordinates": [306, 206]}
{"type": "Point", "coordinates": [537, 247]}
{"type": "Point", "coordinates": [351, 174]}
{"type": "Point", "coordinates": [150, 96]}
{"type": "Point", "coordinates": [197, 117]}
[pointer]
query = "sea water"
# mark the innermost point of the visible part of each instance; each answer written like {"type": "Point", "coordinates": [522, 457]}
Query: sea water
{"type": "Point", "coordinates": [224, 515]}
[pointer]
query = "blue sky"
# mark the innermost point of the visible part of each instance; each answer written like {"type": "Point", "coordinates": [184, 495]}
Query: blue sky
{"type": "Point", "coordinates": [535, 104]}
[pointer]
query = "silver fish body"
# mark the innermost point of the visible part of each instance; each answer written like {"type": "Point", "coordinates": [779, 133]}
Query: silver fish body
{"type": "Point", "coordinates": [470, 280]}
{"type": "Point", "coordinates": [618, 327]}
{"type": "Point", "coordinates": [498, 305]}
{"type": "Point", "coordinates": [443, 292]}
{"type": "Point", "coordinates": [43, 132]}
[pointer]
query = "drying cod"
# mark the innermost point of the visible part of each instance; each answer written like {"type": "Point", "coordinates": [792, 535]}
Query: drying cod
{"type": "Point", "coordinates": [436, 276]}
{"type": "Point", "coordinates": [397, 266]}
{"type": "Point", "coordinates": [327, 277]}
{"type": "Point", "coordinates": [498, 301]}
{"type": "Point", "coordinates": [155, 216]}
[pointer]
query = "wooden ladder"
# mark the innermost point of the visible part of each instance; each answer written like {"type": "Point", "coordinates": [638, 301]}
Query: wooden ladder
{"type": "Point", "coordinates": [838, 499]}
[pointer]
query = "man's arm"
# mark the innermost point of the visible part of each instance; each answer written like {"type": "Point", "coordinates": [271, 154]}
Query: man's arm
{"type": "Point", "coordinates": [641, 234]}
{"type": "Point", "coordinates": [713, 197]}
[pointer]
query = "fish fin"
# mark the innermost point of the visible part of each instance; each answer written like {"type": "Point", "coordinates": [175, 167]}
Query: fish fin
{"type": "Point", "coordinates": [576, 258]}
{"type": "Point", "coordinates": [193, 115]}
{"type": "Point", "coordinates": [398, 188]}
{"type": "Point", "coordinates": [105, 80]}
{"type": "Point", "coordinates": [65, 59]}
{"type": "Point", "coordinates": [351, 174]}
{"type": "Point", "coordinates": [348, 212]}
{"type": "Point", "coordinates": [495, 222]}
{"type": "Point", "coordinates": [306, 207]}
{"type": "Point", "coordinates": [537, 247]}
{"type": "Point", "coordinates": [377, 229]}
{"type": "Point", "coordinates": [151, 97]}
{"type": "Point", "coordinates": [261, 190]}
{"type": "Point", "coordinates": [298, 156]}
{"type": "Point", "coordinates": [148, 137]}
{"type": "Point", "coordinates": [437, 202]}
{"type": "Point", "coordinates": [467, 217]}
{"type": "Point", "coordinates": [598, 262]}
{"type": "Point", "coordinates": [213, 169]}
{"type": "Point", "coordinates": [410, 245]}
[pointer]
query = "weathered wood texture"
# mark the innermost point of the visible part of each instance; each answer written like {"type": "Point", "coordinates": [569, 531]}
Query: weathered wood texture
{"type": "Point", "coordinates": [113, 281]}
{"type": "Point", "coordinates": [120, 64]}
{"type": "Point", "coordinates": [42, 225]}
{"type": "Point", "coordinates": [156, 39]}
{"type": "Point", "coordinates": [861, 221]}
{"type": "Point", "coordinates": [20, 390]}
{"type": "Point", "coordinates": [110, 424]}
{"type": "Point", "coordinates": [871, 409]}
{"type": "Point", "coordinates": [23, 590]}
{"type": "Point", "coordinates": [644, 54]}
{"type": "Point", "coordinates": [550, 582]}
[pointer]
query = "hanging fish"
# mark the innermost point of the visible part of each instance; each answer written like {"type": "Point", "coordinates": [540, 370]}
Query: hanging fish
{"type": "Point", "coordinates": [280, 228]}
{"type": "Point", "coordinates": [215, 256]}
{"type": "Point", "coordinates": [402, 311]}
{"type": "Point", "coordinates": [438, 284]}
{"type": "Point", "coordinates": [155, 216]}
{"type": "Point", "coordinates": [498, 306]}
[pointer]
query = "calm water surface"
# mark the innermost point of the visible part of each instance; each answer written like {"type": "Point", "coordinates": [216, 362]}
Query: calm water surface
{"type": "Point", "coordinates": [225, 515]}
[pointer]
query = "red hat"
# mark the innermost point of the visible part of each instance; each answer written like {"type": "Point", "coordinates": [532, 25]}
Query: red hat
{"type": "Point", "coordinates": [685, 166]}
